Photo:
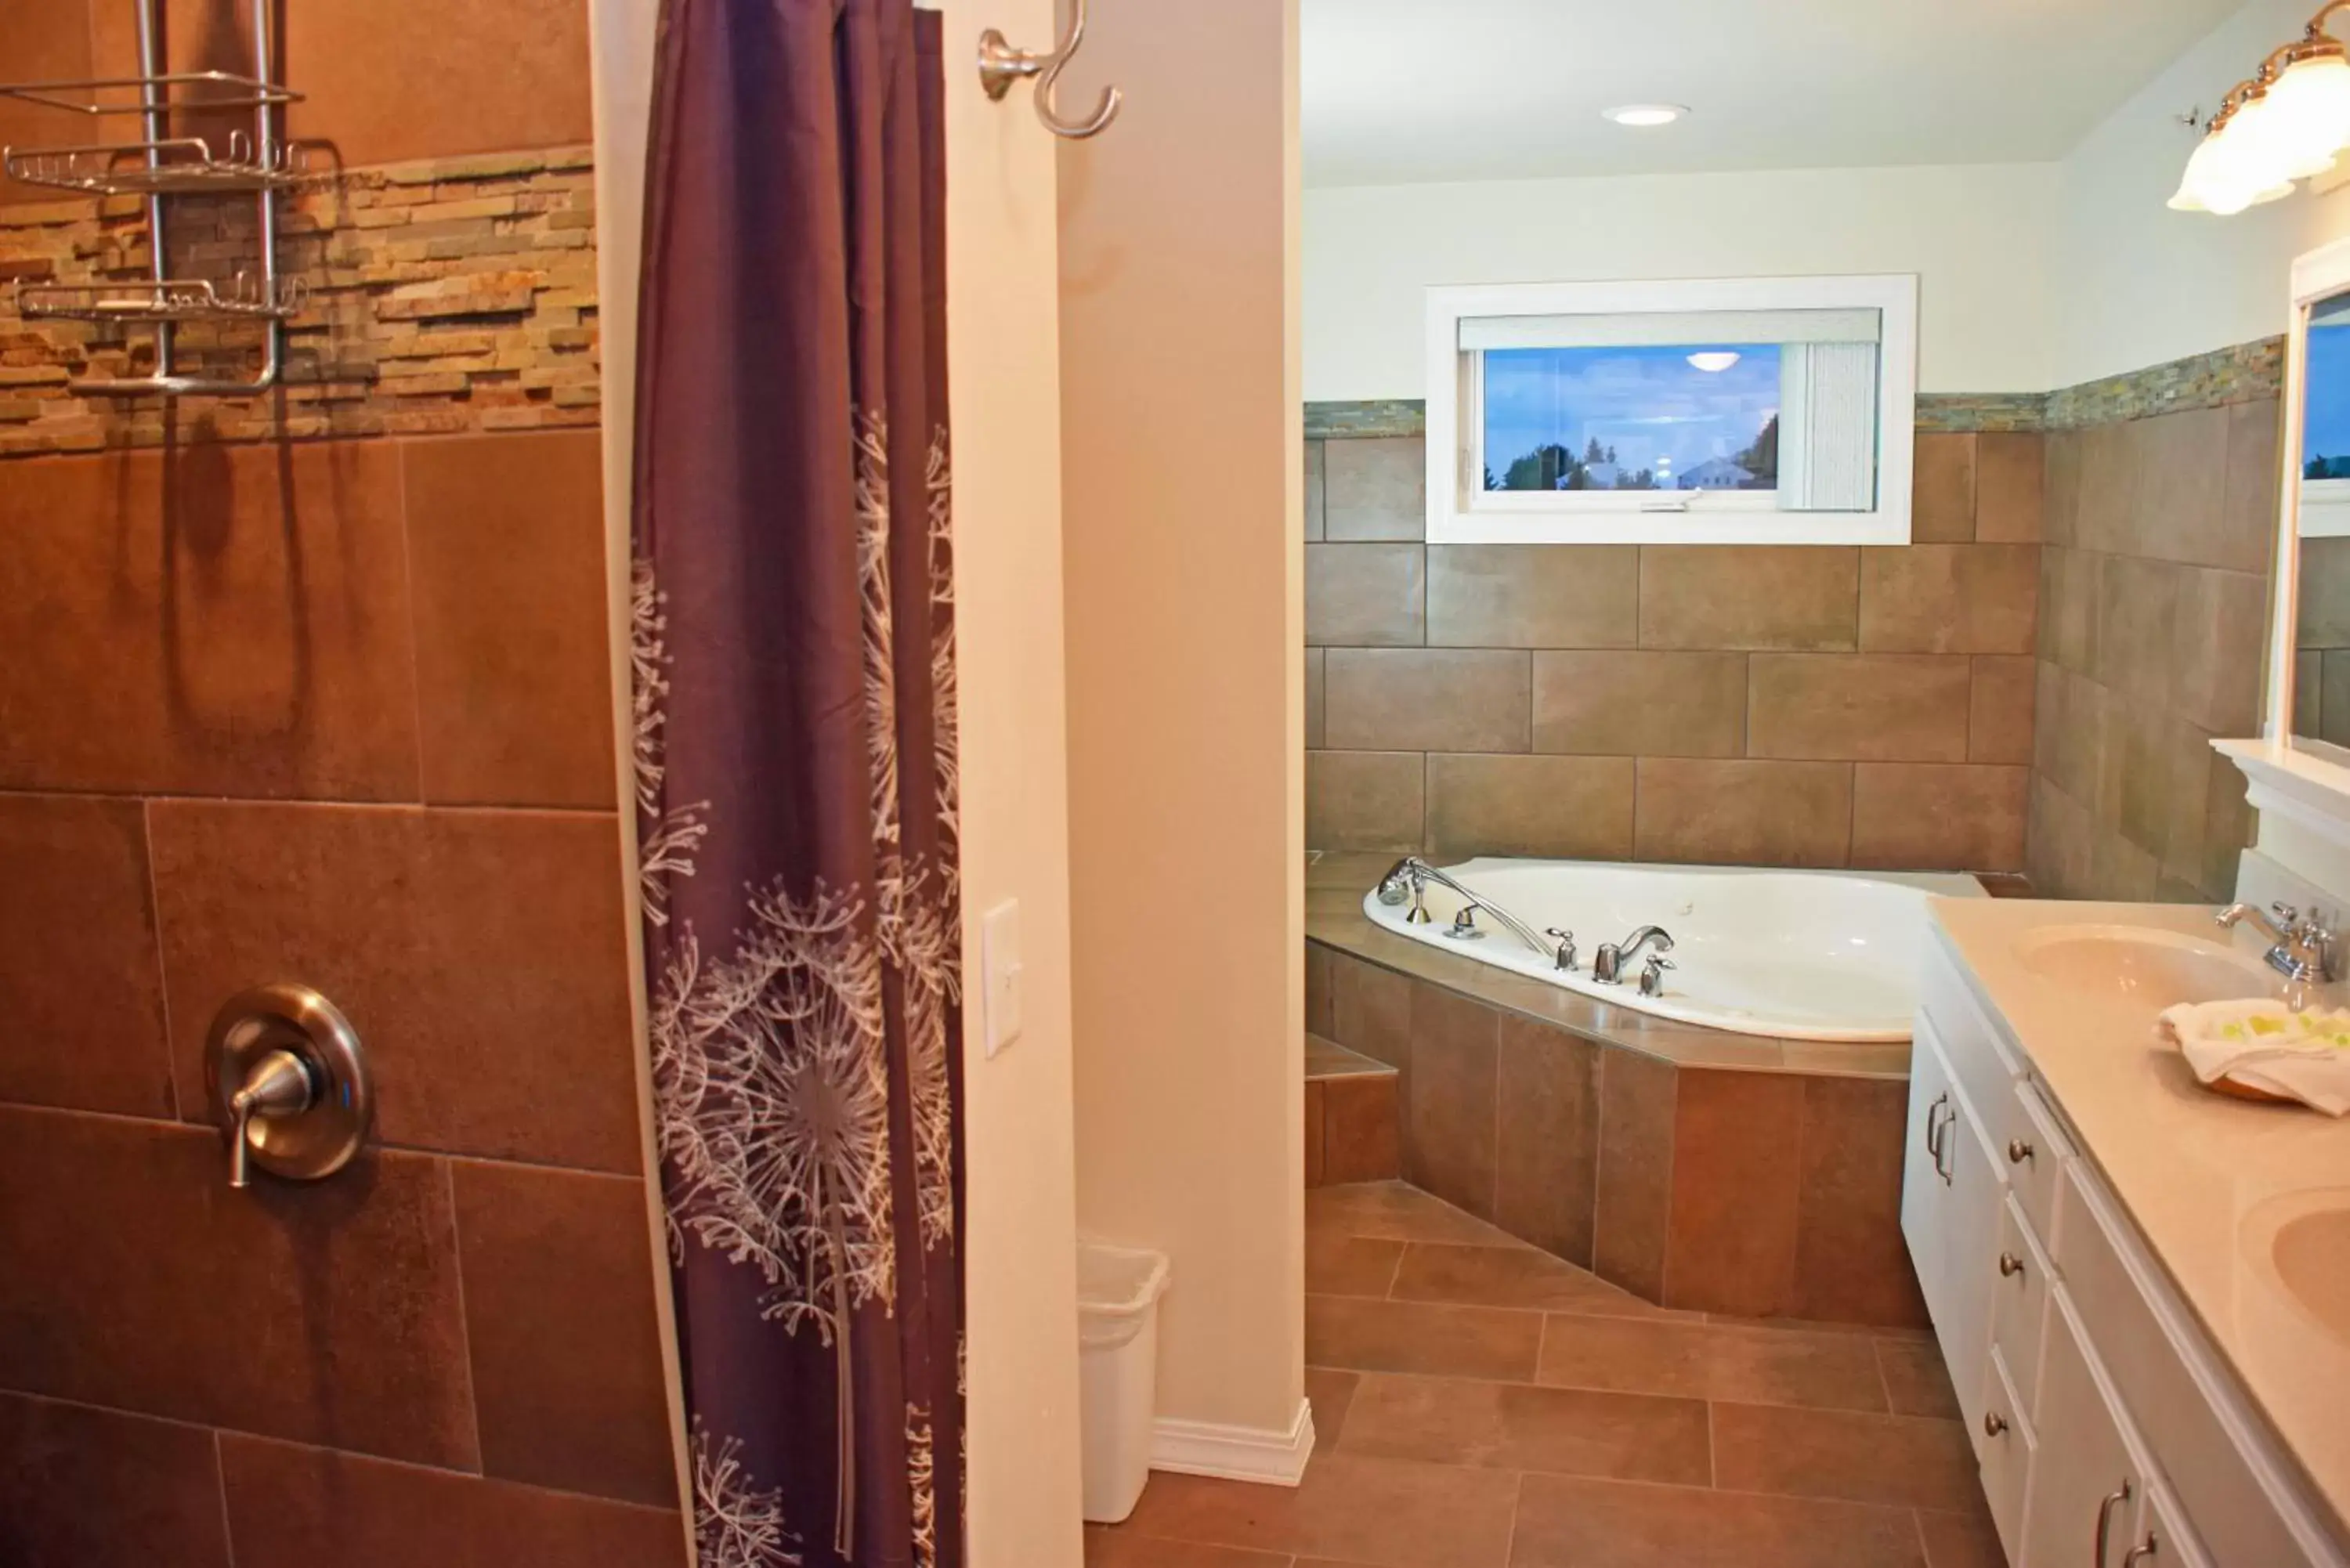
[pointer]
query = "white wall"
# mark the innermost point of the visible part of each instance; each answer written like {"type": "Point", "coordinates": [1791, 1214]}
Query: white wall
{"type": "Point", "coordinates": [1978, 236]}
{"type": "Point", "coordinates": [1186, 678]}
{"type": "Point", "coordinates": [2139, 285]}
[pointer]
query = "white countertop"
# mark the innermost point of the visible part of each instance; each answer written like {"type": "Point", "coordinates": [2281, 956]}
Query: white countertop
{"type": "Point", "coordinates": [2190, 1166]}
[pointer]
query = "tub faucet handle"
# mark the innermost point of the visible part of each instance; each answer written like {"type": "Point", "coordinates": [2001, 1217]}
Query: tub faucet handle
{"type": "Point", "coordinates": [1566, 946]}
{"type": "Point", "coordinates": [1464, 924]}
{"type": "Point", "coordinates": [1652, 974]}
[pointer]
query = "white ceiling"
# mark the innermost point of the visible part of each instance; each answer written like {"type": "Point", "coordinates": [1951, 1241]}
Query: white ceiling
{"type": "Point", "coordinates": [1397, 91]}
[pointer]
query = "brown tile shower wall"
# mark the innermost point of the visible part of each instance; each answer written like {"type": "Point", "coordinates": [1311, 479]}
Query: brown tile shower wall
{"type": "Point", "coordinates": [338, 711]}
{"type": "Point", "coordinates": [1808, 706]}
{"type": "Point", "coordinates": [2154, 610]}
{"type": "Point", "coordinates": [1758, 1194]}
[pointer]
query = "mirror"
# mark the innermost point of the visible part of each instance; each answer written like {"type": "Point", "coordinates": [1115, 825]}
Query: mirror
{"type": "Point", "coordinates": [2317, 502]}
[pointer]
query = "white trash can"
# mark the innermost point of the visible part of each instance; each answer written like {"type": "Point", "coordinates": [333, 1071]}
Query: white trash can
{"type": "Point", "coordinates": [1118, 1368]}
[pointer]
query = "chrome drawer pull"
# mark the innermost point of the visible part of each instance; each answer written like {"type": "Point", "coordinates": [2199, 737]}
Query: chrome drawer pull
{"type": "Point", "coordinates": [2138, 1555]}
{"type": "Point", "coordinates": [2105, 1517]}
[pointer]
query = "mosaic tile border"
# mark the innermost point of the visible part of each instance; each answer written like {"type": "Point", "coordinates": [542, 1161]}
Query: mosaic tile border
{"type": "Point", "coordinates": [1347, 421]}
{"type": "Point", "coordinates": [2242, 372]}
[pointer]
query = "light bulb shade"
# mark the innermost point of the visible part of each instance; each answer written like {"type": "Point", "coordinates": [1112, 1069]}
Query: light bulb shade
{"type": "Point", "coordinates": [2309, 113]}
{"type": "Point", "coordinates": [2235, 167]}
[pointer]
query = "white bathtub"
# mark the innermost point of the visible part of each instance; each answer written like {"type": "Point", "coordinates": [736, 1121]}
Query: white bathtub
{"type": "Point", "coordinates": [1800, 955]}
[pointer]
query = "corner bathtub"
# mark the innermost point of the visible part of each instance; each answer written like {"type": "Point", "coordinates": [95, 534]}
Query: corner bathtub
{"type": "Point", "coordinates": [1801, 955]}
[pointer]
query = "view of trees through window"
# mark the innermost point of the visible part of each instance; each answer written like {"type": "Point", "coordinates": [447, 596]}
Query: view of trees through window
{"type": "Point", "coordinates": [1679, 417]}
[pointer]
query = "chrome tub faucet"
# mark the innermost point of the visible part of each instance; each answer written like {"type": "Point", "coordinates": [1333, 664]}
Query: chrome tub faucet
{"type": "Point", "coordinates": [1608, 964]}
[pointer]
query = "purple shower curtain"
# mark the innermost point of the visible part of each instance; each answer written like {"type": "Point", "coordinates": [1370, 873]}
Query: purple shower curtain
{"type": "Point", "coordinates": [796, 758]}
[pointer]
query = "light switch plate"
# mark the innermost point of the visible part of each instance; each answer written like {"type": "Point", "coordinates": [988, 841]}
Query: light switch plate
{"type": "Point", "coordinates": [999, 967]}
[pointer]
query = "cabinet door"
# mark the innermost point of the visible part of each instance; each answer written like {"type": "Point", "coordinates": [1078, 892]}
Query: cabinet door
{"type": "Point", "coordinates": [2087, 1471]}
{"type": "Point", "coordinates": [1973, 1205]}
{"type": "Point", "coordinates": [1925, 1187]}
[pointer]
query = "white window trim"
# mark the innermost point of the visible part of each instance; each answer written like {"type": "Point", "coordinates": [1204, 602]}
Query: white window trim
{"type": "Point", "coordinates": [2324, 508]}
{"type": "Point", "coordinates": [1461, 511]}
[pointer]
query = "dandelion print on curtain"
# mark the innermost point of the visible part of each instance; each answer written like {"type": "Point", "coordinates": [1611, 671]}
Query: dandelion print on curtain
{"type": "Point", "coordinates": [796, 775]}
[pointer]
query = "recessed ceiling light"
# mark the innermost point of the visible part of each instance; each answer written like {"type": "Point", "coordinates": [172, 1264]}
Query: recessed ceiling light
{"type": "Point", "coordinates": [1643, 114]}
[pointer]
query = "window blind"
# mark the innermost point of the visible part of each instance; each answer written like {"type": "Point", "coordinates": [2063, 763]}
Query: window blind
{"type": "Point", "coordinates": [1667, 328]}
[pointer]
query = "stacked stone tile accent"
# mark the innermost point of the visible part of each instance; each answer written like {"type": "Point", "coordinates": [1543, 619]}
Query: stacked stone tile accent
{"type": "Point", "coordinates": [446, 295]}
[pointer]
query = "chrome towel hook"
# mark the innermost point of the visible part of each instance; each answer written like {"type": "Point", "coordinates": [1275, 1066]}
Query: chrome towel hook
{"type": "Point", "coordinates": [1001, 65]}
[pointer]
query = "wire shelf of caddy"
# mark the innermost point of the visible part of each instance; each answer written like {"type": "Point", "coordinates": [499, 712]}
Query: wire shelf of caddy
{"type": "Point", "coordinates": [244, 297]}
{"type": "Point", "coordinates": [166, 160]}
{"type": "Point", "coordinates": [181, 165]}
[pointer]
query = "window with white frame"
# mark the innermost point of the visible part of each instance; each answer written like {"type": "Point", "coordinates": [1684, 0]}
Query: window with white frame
{"type": "Point", "coordinates": [1720, 410]}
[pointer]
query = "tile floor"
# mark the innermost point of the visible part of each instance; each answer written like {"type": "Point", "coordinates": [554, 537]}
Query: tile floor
{"type": "Point", "coordinates": [1480, 1404]}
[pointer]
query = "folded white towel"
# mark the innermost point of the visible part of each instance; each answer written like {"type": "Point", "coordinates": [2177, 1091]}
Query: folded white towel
{"type": "Point", "coordinates": [2264, 1044]}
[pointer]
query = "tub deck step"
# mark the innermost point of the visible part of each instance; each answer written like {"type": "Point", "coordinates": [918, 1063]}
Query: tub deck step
{"type": "Point", "coordinates": [1353, 1126]}
{"type": "Point", "coordinates": [1328, 1059]}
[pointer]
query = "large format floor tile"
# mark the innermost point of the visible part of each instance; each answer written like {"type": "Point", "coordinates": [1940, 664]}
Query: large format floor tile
{"type": "Point", "coordinates": [1480, 1404]}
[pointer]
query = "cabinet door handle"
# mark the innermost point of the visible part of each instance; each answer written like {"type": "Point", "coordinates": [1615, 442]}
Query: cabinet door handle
{"type": "Point", "coordinates": [1934, 1130]}
{"type": "Point", "coordinates": [1994, 1424]}
{"type": "Point", "coordinates": [2138, 1555]}
{"type": "Point", "coordinates": [2105, 1517]}
{"type": "Point", "coordinates": [2010, 1265]}
{"type": "Point", "coordinates": [2018, 1151]}
{"type": "Point", "coordinates": [1950, 1167]}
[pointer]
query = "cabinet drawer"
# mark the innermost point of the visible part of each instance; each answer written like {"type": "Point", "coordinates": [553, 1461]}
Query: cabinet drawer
{"type": "Point", "coordinates": [2004, 1450]}
{"type": "Point", "coordinates": [2034, 1154]}
{"type": "Point", "coordinates": [2177, 1399]}
{"type": "Point", "coordinates": [2019, 1304]}
{"type": "Point", "coordinates": [1985, 1069]}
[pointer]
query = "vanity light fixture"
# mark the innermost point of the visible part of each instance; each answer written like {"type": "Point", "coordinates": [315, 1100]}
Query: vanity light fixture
{"type": "Point", "coordinates": [1644, 115]}
{"type": "Point", "coordinates": [2287, 122]}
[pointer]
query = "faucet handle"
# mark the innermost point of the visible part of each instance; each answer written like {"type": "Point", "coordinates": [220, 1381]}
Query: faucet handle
{"type": "Point", "coordinates": [1464, 924]}
{"type": "Point", "coordinates": [1566, 946]}
{"type": "Point", "coordinates": [1652, 974]}
{"type": "Point", "coordinates": [288, 1083]}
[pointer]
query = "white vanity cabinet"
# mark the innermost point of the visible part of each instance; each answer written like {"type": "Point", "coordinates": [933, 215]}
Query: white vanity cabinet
{"type": "Point", "coordinates": [2103, 1424]}
{"type": "Point", "coordinates": [1950, 1199]}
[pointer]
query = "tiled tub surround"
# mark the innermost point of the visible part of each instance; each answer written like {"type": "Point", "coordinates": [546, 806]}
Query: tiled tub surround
{"type": "Point", "coordinates": [2154, 613]}
{"type": "Point", "coordinates": [1697, 1168]}
{"type": "Point", "coordinates": [1802, 706]}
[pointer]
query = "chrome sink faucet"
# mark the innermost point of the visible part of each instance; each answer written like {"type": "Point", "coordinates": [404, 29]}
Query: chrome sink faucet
{"type": "Point", "coordinates": [2301, 947]}
{"type": "Point", "coordinates": [1608, 964]}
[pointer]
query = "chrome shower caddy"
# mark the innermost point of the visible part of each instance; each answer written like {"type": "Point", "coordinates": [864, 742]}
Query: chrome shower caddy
{"type": "Point", "coordinates": [160, 166]}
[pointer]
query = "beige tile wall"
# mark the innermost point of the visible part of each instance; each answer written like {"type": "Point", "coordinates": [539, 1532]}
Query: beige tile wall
{"type": "Point", "coordinates": [2154, 592]}
{"type": "Point", "coordinates": [1814, 706]}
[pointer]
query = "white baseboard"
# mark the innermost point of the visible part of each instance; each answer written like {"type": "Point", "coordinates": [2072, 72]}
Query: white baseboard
{"type": "Point", "coordinates": [1262, 1454]}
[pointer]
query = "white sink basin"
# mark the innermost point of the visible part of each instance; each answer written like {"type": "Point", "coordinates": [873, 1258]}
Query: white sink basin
{"type": "Point", "coordinates": [2304, 1240]}
{"type": "Point", "coordinates": [2132, 964]}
